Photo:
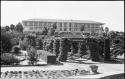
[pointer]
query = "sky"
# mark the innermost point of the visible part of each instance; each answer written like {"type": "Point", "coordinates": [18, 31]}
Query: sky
{"type": "Point", "coordinates": [109, 12]}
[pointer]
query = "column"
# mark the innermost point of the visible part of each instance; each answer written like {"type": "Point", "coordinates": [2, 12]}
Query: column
{"type": "Point", "coordinates": [54, 46]}
{"type": "Point", "coordinates": [60, 50]}
{"type": "Point", "coordinates": [79, 48]}
{"type": "Point", "coordinates": [72, 49]}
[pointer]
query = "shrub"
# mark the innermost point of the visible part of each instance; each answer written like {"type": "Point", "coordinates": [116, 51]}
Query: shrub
{"type": "Point", "coordinates": [33, 56]}
{"type": "Point", "coordinates": [16, 50]}
{"type": "Point", "coordinates": [8, 59]}
{"type": "Point", "coordinates": [5, 43]}
{"type": "Point", "coordinates": [94, 68]}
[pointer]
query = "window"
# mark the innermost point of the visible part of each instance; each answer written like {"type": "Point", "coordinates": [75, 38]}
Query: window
{"type": "Point", "coordinates": [40, 24]}
{"type": "Point", "coordinates": [25, 23]}
{"type": "Point", "coordinates": [82, 28]}
{"type": "Point", "coordinates": [60, 26]}
{"type": "Point", "coordinates": [65, 29]}
{"type": "Point", "coordinates": [30, 23]}
{"type": "Point", "coordinates": [75, 27]}
{"type": "Point", "coordinates": [65, 24]}
{"type": "Point", "coordinates": [70, 29]}
{"type": "Point", "coordinates": [35, 23]}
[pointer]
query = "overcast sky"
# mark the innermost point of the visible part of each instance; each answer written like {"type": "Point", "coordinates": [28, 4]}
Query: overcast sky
{"type": "Point", "coordinates": [109, 12]}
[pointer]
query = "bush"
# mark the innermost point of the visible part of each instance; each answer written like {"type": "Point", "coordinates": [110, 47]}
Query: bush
{"type": "Point", "coordinates": [33, 56]}
{"type": "Point", "coordinates": [8, 59]}
{"type": "Point", "coordinates": [94, 68]}
{"type": "Point", "coordinates": [6, 44]}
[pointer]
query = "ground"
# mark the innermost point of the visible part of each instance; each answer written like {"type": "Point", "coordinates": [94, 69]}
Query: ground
{"type": "Point", "coordinates": [104, 68]}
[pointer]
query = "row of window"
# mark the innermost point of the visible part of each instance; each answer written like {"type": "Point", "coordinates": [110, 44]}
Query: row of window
{"type": "Point", "coordinates": [69, 29]}
{"type": "Point", "coordinates": [78, 29]}
{"type": "Point", "coordinates": [63, 26]}
{"type": "Point", "coordinates": [35, 23]}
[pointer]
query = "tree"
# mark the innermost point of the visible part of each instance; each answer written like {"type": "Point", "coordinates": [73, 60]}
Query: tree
{"type": "Point", "coordinates": [106, 30]}
{"type": "Point", "coordinates": [102, 29]}
{"type": "Point", "coordinates": [19, 27]}
{"type": "Point", "coordinates": [5, 43]}
{"type": "Point", "coordinates": [7, 28]}
{"type": "Point", "coordinates": [54, 26]}
{"type": "Point", "coordinates": [118, 46]}
{"type": "Point", "coordinates": [44, 31]}
{"type": "Point", "coordinates": [31, 39]}
{"type": "Point", "coordinates": [16, 50]}
{"type": "Point", "coordinates": [9, 59]}
{"type": "Point", "coordinates": [12, 27]}
{"type": "Point", "coordinates": [33, 56]}
{"type": "Point", "coordinates": [51, 31]}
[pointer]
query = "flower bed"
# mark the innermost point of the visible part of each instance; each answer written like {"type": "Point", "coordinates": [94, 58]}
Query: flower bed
{"type": "Point", "coordinates": [48, 74]}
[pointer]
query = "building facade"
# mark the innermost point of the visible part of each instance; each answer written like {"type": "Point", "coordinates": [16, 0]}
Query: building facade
{"type": "Point", "coordinates": [36, 25]}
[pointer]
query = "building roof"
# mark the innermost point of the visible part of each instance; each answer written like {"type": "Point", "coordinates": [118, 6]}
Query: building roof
{"type": "Point", "coordinates": [70, 21]}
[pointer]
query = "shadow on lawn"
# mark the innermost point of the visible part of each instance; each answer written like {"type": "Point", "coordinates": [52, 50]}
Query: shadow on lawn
{"type": "Point", "coordinates": [80, 62]}
{"type": "Point", "coordinates": [115, 61]}
{"type": "Point", "coordinates": [112, 61]}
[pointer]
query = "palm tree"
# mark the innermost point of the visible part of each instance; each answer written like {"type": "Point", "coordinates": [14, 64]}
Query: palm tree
{"type": "Point", "coordinates": [118, 46]}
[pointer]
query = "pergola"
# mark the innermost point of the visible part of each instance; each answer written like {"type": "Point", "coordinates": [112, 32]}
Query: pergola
{"type": "Point", "coordinates": [74, 43]}
{"type": "Point", "coordinates": [77, 38]}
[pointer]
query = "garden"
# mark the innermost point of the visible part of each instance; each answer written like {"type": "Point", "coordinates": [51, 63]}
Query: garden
{"type": "Point", "coordinates": [56, 49]}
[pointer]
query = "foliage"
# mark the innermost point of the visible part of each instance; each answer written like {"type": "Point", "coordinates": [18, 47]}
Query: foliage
{"type": "Point", "coordinates": [63, 50]}
{"type": "Point", "coordinates": [8, 59]}
{"type": "Point", "coordinates": [44, 31]}
{"type": "Point", "coordinates": [16, 50]}
{"type": "Point", "coordinates": [5, 43]}
{"type": "Point", "coordinates": [93, 47]}
{"type": "Point", "coordinates": [38, 43]}
{"type": "Point", "coordinates": [19, 27]}
{"type": "Point", "coordinates": [7, 28]}
{"type": "Point", "coordinates": [12, 27]}
{"type": "Point", "coordinates": [23, 43]}
{"type": "Point", "coordinates": [102, 29]}
{"type": "Point", "coordinates": [56, 47]}
{"type": "Point", "coordinates": [32, 55]}
{"type": "Point", "coordinates": [31, 39]}
{"type": "Point", "coordinates": [83, 48]}
{"type": "Point", "coordinates": [51, 31]}
{"type": "Point", "coordinates": [94, 68]}
{"type": "Point", "coordinates": [54, 26]}
{"type": "Point", "coordinates": [106, 29]}
{"type": "Point", "coordinates": [118, 46]}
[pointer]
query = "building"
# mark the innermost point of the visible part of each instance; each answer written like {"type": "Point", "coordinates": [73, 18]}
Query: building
{"type": "Point", "coordinates": [75, 26]}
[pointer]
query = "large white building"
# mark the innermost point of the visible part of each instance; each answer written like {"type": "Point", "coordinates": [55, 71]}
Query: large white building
{"type": "Point", "coordinates": [36, 25]}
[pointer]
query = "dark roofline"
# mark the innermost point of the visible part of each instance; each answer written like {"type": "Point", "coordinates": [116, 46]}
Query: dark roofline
{"type": "Point", "coordinates": [70, 21]}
